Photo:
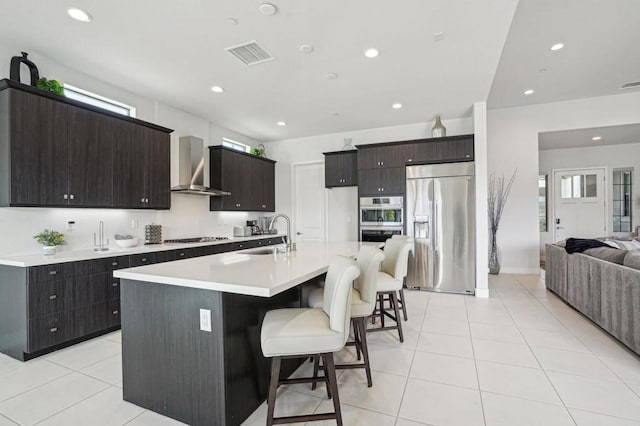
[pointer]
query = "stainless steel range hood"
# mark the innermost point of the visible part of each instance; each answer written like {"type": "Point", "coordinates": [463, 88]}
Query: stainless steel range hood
{"type": "Point", "coordinates": [191, 168]}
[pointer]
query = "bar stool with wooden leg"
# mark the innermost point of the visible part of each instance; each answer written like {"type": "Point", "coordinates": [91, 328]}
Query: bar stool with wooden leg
{"type": "Point", "coordinates": [301, 332]}
{"type": "Point", "coordinates": [363, 300]}
{"type": "Point", "coordinates": [390, 280]}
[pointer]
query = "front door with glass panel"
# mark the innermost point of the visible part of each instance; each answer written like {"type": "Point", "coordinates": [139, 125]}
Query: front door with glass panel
{"type": "Point", "coordinates": [579, 203]}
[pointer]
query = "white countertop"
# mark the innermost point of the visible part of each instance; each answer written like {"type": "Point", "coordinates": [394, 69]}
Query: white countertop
{"type": "Point", "coordinates": [243, 273]}
{"type": "Point", "coordinates": [89, 254]}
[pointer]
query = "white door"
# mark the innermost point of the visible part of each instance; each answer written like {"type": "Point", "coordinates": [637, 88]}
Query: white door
{"type": "Point", "coordinates": [579, 203]}
{"type": "Point", "coordinates": [309, 202]}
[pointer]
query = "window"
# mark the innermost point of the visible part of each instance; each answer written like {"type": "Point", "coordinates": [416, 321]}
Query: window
{"type": "Point", "coordinates": [235, 145]}
{"type": "Point", "coordinates": [542, 202]}
{"type": "Point", "coordinates": [622, 200]}
{"type": "Point", "coordinates": [578, 186]}
{"type": "Point", "coordinates": [87, 97]}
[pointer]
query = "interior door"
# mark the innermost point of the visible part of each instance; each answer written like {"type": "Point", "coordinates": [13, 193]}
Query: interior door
{"type": "Point", "coordinates": [579, 203]}
{"type": "Point", "coordinates": [309, 201]}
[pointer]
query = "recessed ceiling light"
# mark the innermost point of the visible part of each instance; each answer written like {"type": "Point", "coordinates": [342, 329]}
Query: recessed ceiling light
{"type": "Point", "coordinates": [268, 9]}
{"type": "Point", "coordinates": [596, 138]}
{"type": "Point", "coordinates": [232, 21]}
{"type": "Point", "coordinates": [281, 123]}
{"type": "Point", "coordinates": [217, 89]}
{"type": "Point", "coordinates": [306, 48]}
{"type": "Point", "coordinates": [439, 36]}
{"type": "Point", "coordinates": [331, 76]}
{"type": "Point", "coordinates": [396, 106]}
{"type": "Point", "coordinates": [528, 92]}
{"type": "Point", "coordinates": [79, 15]}
{"type": "Point", "coordinates": [371, 53]}
{"type": "Point", "coordinates": [556, 46]}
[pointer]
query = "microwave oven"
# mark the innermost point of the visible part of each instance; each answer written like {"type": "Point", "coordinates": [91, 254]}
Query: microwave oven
{"type": "Point", "coordinates": [381, 211]}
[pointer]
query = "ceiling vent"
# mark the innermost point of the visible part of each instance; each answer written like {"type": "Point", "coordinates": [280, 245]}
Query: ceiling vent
{"type": "Point", "coordinates": [250, 53]}
{"type": "Point", "coordinates": [631, 85]}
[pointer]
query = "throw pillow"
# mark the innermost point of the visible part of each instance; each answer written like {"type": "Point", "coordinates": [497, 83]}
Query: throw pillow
{"type": "Point", "coordinates": [608, 254]}
{"type": "Point", "coordinates": [623, 244]}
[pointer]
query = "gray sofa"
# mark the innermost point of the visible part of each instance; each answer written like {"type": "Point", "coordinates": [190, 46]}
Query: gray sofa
{"type": "Point", "coordinates": [607, 293]}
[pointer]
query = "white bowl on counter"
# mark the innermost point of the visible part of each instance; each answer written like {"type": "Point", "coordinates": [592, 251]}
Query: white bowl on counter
{"type": "Point", "coordinates": [131, 242]}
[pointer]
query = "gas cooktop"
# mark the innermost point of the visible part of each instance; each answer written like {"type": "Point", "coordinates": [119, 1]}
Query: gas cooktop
{"type": "Point", "coordinates": [196, 240]}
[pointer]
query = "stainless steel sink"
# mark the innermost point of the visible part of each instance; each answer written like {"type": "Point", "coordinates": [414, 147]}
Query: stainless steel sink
{"type": "Point", "coordinates": [263, 251]}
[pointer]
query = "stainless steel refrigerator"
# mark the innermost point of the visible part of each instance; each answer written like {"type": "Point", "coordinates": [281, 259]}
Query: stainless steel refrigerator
{"type": "Point", "coordinates": [441, 219]}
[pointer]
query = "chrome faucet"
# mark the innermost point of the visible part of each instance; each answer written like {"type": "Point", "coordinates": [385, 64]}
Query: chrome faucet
{"type": "Point", "coordinates": [100, 245]}
{"type": "Point", "coordinates": [290, 246]}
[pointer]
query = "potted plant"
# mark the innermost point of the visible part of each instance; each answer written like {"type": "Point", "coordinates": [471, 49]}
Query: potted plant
{"type": "Point", "coordinates": [49, 240]}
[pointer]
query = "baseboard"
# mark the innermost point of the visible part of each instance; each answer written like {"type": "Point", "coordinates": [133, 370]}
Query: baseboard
{"type": "Point", "coordinates": [521, 271]}
{"type": "Point", "coordinates": [482, 292]}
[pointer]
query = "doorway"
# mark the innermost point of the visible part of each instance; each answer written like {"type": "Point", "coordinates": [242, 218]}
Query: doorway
{"type": "Point", "coordinates": [309, 201]}
{"type": "Point", "coordinates": [579, 203]}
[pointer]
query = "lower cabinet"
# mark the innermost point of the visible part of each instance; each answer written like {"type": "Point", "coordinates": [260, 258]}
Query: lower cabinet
{"type": "Point", "coordinates": [69, 302]}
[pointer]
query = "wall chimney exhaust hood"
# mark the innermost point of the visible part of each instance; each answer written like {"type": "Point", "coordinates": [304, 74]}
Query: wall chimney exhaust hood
{"type": "Point", "coordinates": [191, 168]}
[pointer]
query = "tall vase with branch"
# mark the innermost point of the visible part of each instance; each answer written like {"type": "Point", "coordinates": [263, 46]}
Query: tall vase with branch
{"type": "Point", "coordinates": [497, 199]}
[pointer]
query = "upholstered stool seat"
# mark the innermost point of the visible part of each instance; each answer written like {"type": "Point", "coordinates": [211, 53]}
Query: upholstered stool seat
{"type": "Point", "coordinates": [387, 283]}
{"type": "Point", "coordinates": [359, 308]}
{"type": "Point", "coordinates": [300, 332]}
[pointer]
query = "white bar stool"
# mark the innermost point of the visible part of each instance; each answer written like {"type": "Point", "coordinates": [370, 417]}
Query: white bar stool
{"type": "Point", "coordinates": [300, 332]}
{"type": "Point", "coordinates": [363, 301]}
{"type": "Point", "coordinates": [390, 280]}
{"type": "Point", "coordinates": [401, 292]}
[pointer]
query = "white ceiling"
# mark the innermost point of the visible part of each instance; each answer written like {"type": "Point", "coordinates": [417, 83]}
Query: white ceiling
{"type": "Point", "coordinates": [611, 135]}
{"type": "Point", "coordinates": [601, 40]}
{"type": "Point", "coordinates": [173, 51]}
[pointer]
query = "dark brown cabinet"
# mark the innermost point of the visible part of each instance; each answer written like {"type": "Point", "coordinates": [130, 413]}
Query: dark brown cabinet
{"type": "Point", "coordinates": [57, 152]}
{"type": "Point", "coordinates": [340, 169]}
{"type": "Point", "coordinates": [249, 179]}
{"type": "Point", "coordinates": [376, 182]}
{"type": "Point", "coordinates": [444, 151]}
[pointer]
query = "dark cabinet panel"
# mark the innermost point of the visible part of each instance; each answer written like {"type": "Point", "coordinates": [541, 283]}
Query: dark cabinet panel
{"type": "Point", "coordinates": [383, 156]}
{"type": "Point", "coordinates": [444, 151]}
{"type": "Point", "coordinates": [369, 182]}
{"type": "Point", "coordinates": [158, 169]}
{"type": "Point", "coordinates": [128, 166]}
{"type": "Point", "coordinates": [38, 137]}
{"type": "Point", "coordinates": [91, 289]}
{"type": "Point", "coordinates": [51, 330]}
{"type": "Point", "coordinates": [341, 169]}
{"type": "Point", "coordinates": [113, 313]}
{"type": "Point", "coordinates": [142, 259]}
{"type": "Point", "coordinates": [50, 297]}
{"type": "Point", "coordinates": [384, 181]}
{"type": "Point", "coordinates": [249, 179]}
{"type": "Point", "coordinates": [50, 272]}
{"type": "Point", "coordinates": [91, 318]}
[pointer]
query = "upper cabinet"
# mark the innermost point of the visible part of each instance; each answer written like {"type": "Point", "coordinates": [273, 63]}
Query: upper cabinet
{"type": "Point", "coordinates": [249, 179]}
{"type": "Point", "coordinates": [340, 169]}
{"type": "Point", "coordinates": [56, 152]}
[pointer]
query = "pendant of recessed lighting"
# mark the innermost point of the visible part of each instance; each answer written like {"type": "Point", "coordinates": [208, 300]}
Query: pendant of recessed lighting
{"type": "Point", "coordinates": [371, 52]}
{"type": "Point", "coordinates": [80, 15]}
{"type": "Point", "coordinates": [268, 9]}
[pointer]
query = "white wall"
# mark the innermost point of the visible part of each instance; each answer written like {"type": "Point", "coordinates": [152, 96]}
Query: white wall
{"type": "Point", "coordinates": [513, 143]}
{"type": "Point", "coordinates": [611, 157]}
{"type": "Point", "coordinates": [342, 202]}
{"type": "Point", "coordinates": [189, 215]}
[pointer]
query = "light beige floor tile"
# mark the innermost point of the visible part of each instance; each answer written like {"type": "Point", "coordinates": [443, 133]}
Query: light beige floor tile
{"type": "Point", "coordinates": [507, 353]}
{"type": "Point", "coordinates": [84, 354]}
{"type": "Point", "coordinates": [37, 404]}
{"type": "Point", "coordinates": [306, 370]}
{"type": "Point", "coordinates": [103, 409]}
{"type": "Point", "coordinates": [586, 418]}
{"type": "Point", "coordinates": [444, 326]}
{"type": "Point", "coordinates": [6, 422]}
{"type": "Point", "coordinates": [445, 344]}
{"type": "Point", "coordinates": [553, 340]}
{"type": "Point", "coordinates": [29, 375]}
{"type": "Point", "coordinates": [458, 313]}
{"type": "Point", "coordinates": [605, 397]}
{"type": "Point", "coordinates": [353, 416]}
{"type": "Point", "coordinates": [288, 403]}
{"type": "Point", "coordinates": [445, 369]}
{"type": "Point", "coordinates": [500, 410]}
{"type": "Point", "coordinates": [499, 317]}
{"type": "Point", "coordinates": [108, 370]}
{"type": "Point", "coordinates": [390, 337]}
{"type": "Point", "coordinates": [390, 360]}
{"type": "Point", "coordinates": [628, 368]}
{"type": "Point", "coordinates": [405, 422]}
{"type": "Point", "coordinates": [354, 391]}
{"type": "Point", "coordinates": [439, 404]}
{"type": "Point", "coordinates": [116, 336]}
{"type": "Point", "coordinates": [581, 364]}
{"type": "Point", "coordinates": [497, 332]}
{"type": "Point", "coordinates": [10, 365]}
{"type": "Point", "coordinates": [604, 345]}
{"type": "Point", "coordinates": [519, 382]}
{"type": "Point", "coordinates": [149, 418]}
{"type": "Point", "coordinates": [635, 388]}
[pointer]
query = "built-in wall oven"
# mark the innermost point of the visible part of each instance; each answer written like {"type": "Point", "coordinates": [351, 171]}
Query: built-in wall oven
{"type": "Point", "coordinates": [380, 217]}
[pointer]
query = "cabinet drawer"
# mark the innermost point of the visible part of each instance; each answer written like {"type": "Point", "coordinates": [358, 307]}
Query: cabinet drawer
{"type": "Point", "coordinates": [113, 313]}
{"type": "Point", "coordinates": [51, 330]}
{"type": "Point", "coordinates": [91, 318]}
{"type": "Point", "coordinates": [90, 289]}
{"type": "Point", "coordinates": [50, 272]}
{"type": "Point", "coordinates": [120, 262]}
{"type": "Point", "coordinates": [113, 288]}
{"type": "Point", "coordinates": [214, 249]}
{"type": "Point", "coordinates": [49, 297]}
{"type": "Point", "coordinates": [142, 259]}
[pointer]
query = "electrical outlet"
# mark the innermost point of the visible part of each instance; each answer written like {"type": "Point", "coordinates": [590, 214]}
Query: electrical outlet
{"type": "Point", "coordinates": [70, 224]}
{"type": "Point", "coordinates": [205, 320]}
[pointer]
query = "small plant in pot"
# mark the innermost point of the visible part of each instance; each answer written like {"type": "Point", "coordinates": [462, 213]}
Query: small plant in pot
{"type": "Point", "coordinates": [49, 240]}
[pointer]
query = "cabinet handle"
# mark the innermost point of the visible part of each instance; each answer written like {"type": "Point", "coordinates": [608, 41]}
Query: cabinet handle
{"type": "Point", "coordinates": [53, 272]}
{"type": "Point", "coordinates": [241, 246]}
{"type": "Point", "coordinates": [114, 263]}
{"type": "Point", "coordinates": [410, 160]}
{"type": "Point", "coordinates": [146, 200]}
{"type": "Point", "coordinates": [264, 206]}
{"type": "Point", "coordinates": [115, 312]}
{"type": "Point", "coordinates": [142, 200]}
{"type": "Point", "coordinates": [53, 329]}
{"type": "Point", "coordinates": [114, 284]}
{"type": "Point", "coordinates": [237, 204]}
{"type": "Point", "coordinates": [53, 297]}
{"type": "Point", "coordinates": [382, 163]}
{"type": "Point", "coordinates": [382, 189]}
{"type": "Point", "coordinates": [71, 197]}
{"type": "Point", "coordinates": [144, 259]}
{"type": "Point", "coordinates": [468, 155]}
{"type": "Point", "coordinates": [181, 254]}
{"type": "Point", "coordinates": [65, 196]}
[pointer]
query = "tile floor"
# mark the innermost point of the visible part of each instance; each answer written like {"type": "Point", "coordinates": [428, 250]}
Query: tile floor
{"type": "Point", "coordinates": [521, 357]}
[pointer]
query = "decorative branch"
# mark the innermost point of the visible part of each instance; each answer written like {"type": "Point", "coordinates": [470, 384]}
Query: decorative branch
{"type": "Point", "coordinates": [497, 198]}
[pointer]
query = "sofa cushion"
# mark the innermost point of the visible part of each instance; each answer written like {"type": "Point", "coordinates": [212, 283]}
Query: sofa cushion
{"type": "Point", "coordinates": [608, 254]}
{"type": "Point", "coordinates": [632, 259]}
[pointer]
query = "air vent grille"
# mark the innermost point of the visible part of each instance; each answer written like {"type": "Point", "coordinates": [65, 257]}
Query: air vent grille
{"type": "Point", "coordinates": [250, 53]}
{"type": "Point", "coordinates": [631, 85]}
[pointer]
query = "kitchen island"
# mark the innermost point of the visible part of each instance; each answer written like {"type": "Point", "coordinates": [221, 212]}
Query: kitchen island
{"type": "Point", "coordinates": [191, 328]}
